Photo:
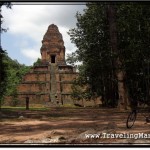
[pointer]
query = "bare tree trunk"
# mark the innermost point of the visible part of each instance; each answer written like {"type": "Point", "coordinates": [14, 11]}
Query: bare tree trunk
{"type": "Point", "coordinates": [120, 73]}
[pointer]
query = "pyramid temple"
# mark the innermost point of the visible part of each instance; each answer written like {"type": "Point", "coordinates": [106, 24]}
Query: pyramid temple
{"type": "Point", "coordinates": [49, 82]}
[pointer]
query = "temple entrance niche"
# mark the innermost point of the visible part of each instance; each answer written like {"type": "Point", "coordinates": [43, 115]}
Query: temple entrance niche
{"type": "Point", "coordinates": [27, 103]}
{"type": "Point", "coordinates": [53, 58]}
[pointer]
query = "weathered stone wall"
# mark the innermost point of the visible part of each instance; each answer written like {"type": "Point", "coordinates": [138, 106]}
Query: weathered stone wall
{"type": "Point", "coordinates": [41, 68]}
{"type": "Point", "coordinates": [33, 99]}
{"type": "Point", "coordinates": [66, 87]}
{"type": "Point", "coordinates": [68, 76]}
{"type": "Point", "coordinates": [64, 84]}
{"type": "Point", "coordinates": [35, 85]}
{"type": "Point", "coordinates": [30, 77]}
{"type": "Point", "coordinates": [66, 99]}
{"type": "Point", "coordinates": [36, 76]}
{"type": "Point", "coordinates": [23, 88]}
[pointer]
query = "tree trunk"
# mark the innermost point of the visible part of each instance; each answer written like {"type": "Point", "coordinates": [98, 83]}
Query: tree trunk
{"type": "Point", "coordinates": [120, 73]}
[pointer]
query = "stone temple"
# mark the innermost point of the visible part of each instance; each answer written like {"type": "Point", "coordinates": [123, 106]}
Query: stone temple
{"type": "Point", "coordinates": [50, 82]}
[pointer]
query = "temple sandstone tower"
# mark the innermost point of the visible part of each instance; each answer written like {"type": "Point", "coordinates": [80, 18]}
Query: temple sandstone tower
{"type": "Point", "coordinates": [50, 82]}
{"type": "Point", "coordinates": [53, 49]}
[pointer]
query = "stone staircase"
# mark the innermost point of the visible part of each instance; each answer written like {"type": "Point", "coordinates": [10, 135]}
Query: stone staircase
{"type": "Point", "coordinates": [53, 83]}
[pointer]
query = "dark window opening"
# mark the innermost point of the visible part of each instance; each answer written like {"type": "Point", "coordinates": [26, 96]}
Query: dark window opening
{"type": "Point", "coordinates": [27, 103]}
{"type": "Point", "coordinates": [53, 59]}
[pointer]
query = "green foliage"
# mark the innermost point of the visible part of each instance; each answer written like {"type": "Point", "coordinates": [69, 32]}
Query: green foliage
{"type": "Point", "coordinates": [3, 75]}
{"type": "Point", "coordinates": [72, 59]}
{"type": "Point", "coordinates": [134, 35]}
{"type": "Point", "coordinates": [3, 65]}
{"type": "Point", "coordinates": [38, 62]}
{"type": "Point", "coordinates": [80, 88]}
{"type": "Point", "coordinates": [92, 38]}
{"type": "Point", "coordinates": [77, 92]}
{"type": "Point", "coordinates": [8, 5]}
{"type": "Point", "coordinates": [15, 72]}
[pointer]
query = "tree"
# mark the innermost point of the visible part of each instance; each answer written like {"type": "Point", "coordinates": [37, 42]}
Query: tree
{"type": "Point", "coordinates": [114, 48]}
{"type": "Point", "coordinates": [134, 35]}
{"type": "Point", "coordinates": [8, 5]}
{"type": "Point", "coordinates": [92, 39]}
{"type": "Point", "coordinates": [80, 88]}
{"type": "Point", "coordinates": [3, 77]}
{"type": "Point", "coordinates": [119, 70]}
{"type": "Point", "coordinates": [3, 74]}
{"type": "Point", "coordinates": [38, 62]}
{"type": "Point", "coordinates": [14, 71]}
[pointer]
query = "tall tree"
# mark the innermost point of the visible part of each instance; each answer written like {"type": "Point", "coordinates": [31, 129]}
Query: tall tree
{"type": "Point", "coordinates": [92, 39]}
{"type": "Point", "coordinates": [3, 74]}
{"type": "Point", "coordinates": [115, 51]}
{"type": "Point", "coordinates": [134, 34]}
{"type": "Point", "coordinates": [119, 70]}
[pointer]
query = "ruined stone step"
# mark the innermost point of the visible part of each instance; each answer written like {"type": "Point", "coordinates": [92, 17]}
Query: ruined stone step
{"type": "Point", "coordinates": [52, 97]}
{"type": "Point", "coordinates": [51, 104]}
{"type": "Point", "coordinates": [53, 83]}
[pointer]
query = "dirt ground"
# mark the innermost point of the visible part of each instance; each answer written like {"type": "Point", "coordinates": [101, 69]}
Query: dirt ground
{"type": "Point", "coordinates": [67, 123]}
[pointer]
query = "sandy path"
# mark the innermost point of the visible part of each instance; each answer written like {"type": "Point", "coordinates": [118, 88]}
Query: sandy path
{"type": "Point", "coordinates": [69, 122]}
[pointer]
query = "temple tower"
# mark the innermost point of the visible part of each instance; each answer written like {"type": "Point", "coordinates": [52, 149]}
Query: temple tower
{"type": "Point", "coordinates": [53, 49]}
{"type": "Point", "coordinates": [50, 82]}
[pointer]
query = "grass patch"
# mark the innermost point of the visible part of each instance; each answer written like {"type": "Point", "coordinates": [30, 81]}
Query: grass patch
{"type": "Point", "coordinates": [69, 105]}
{"type": "Point", "coordinates": [23, 108]}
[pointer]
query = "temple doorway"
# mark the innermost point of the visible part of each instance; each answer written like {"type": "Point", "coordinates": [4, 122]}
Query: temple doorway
{"type": "Point", "coordinates": [53, 57]}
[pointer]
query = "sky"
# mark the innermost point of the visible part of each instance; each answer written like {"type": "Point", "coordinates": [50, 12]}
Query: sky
{"type": "Point", "coordinates": [27, 25]}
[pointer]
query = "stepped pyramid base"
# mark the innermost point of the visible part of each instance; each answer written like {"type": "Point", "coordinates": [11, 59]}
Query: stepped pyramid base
{"type": "Point", "coordinates": [42, 85]}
